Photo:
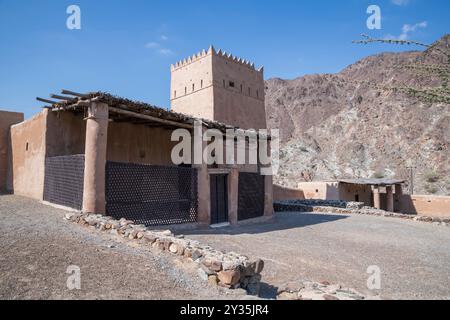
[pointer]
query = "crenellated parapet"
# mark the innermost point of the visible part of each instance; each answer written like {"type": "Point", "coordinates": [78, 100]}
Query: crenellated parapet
{"type": "Point", "coordinates": [219, 53]}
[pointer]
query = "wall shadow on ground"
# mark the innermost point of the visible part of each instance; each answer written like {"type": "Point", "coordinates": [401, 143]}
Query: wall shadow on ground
{"type": "Point", "coordinates": [282, 221]}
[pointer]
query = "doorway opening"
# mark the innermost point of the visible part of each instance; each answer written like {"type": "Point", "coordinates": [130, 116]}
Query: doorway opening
{"type": "Point", "coordinates": [219, 198]}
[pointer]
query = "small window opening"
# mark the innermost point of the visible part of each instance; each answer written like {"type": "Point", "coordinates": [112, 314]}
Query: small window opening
{"type": "Point", "coordinates": [241, 88]}
{"type": "Point", "coordinates": [317, 190]}
{"type": "Point", "coordinates": [193, 87]}
{"type": "Point", "coordinates": [231, 84]}
{"type": "Point", "coordinates": [185, 90]}
{"type": "Point", "coordinates": [26, 147]}
{"type": "Point", "coordinates": [257, 93]}
{"type": "Point", "coordinates": [249, 92]}
{"type": "Point", "coordinates": [175, 94]}
{"type": "Point", "coordinates": [356, 197]}
{"type": "Point", "coordinates": [201, 83]}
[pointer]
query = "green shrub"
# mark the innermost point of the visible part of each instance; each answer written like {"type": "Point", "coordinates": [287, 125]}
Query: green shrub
{"type": "Point", "coordinates": [378, 175]}
{"type": "Point", "coordinates": [431, 189]}
{"type": "Point", "coordinates": [432, 177]}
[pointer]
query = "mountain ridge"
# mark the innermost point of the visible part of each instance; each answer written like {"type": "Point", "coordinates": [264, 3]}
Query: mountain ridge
{"type": "Point", "coordinates": [371, 119]}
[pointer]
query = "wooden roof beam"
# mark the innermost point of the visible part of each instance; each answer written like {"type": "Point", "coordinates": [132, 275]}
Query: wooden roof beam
{"type": "Point", "coordinates": [46, 100]}
{"type": "Point", "coordinates": [73, 93]}
{"type": "Point", "coordinates": [64, 98]}
{"type": "Point", "coordinates": [147, 117]}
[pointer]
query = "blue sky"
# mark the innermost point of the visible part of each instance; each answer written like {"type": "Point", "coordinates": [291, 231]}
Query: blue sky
{"type": "Point", "coordinates": [126, 47]}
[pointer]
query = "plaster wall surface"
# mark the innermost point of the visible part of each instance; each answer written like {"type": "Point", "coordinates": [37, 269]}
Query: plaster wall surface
{"type": "Point", "coordinates": [7, 119]}
{"type": "Point", "coordinates": [134, 143]}
{"type": "Point", "coordinates": [238, 94]}
{"type": "Point", "coordinates": [427, 205]}
{"type": "Point", "coordinates": [321, 190]}
{"type": "Point", "coordinates": [66, 134]}
{"type": "Point", "coordinates": [217, 87]}
{"type": "Point", "coordinates": [28, 140]}
{"type": "Point", "coordinates": [284, 193]}
{"type": "Point", "coordinates": [353, 192]}
{"type": "Point", "coordinates": [191, 88]}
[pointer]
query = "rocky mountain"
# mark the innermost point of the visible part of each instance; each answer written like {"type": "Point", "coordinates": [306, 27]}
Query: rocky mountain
{"type": "Point", "coordinates": [387, 115]}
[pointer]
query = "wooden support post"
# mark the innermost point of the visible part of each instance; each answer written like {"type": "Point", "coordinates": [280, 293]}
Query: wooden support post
{"type": "Point", "coordinates": [376, 198]}
{"type": "Point", "coordinates": [398, 197]}
{"type": "Point", "coordinates": [389, 199]}
{"type": "Point", "coordinates": [268, 196]}
{"type": "Point", "coordinates": [95, 159]}
{"type": "Point", "coordinates": [233, 186]}
{"type": "Point", "coordinates": [204, 196]}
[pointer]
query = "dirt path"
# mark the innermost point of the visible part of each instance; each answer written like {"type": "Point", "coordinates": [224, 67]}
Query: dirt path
{"type": "Point", "coordinates": [37, 246]}
{"type": "Point", "coordinates": [413, 257]}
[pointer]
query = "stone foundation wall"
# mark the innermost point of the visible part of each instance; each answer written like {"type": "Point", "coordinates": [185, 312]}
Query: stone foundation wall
{"type": "Point", "coordinates": [342, 207]}
{"type": "Point", "coordinates": [327, 203]}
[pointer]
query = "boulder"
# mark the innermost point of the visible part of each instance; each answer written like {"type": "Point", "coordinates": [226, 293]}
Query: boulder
{"type": "Point", "coordinates": [202, 274]}
{"type": "Point", "coordinates": [212, 264]}
{"type": "Point", "coordinates": [196, 254]}
{"type": "Point", "coordinates": [229, 277]}
{"type": "Point", "coordinates": [149, 238]}
{"type": "Point", "coordinates": [188, 252]}
{"type": "Point", "coordinates": [259, 266]}
{"type": "Point", "coordinates": [213, 280]}
{"type": "Point", "coordinates": [173, 248]}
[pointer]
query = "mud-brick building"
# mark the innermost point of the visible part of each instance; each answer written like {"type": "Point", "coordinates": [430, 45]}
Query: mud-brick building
{"type": "Point", "coordinates": [104, 154]}
{"type": "Point", "coordinates": [7, 119]}
{"type": "Point", "coordinates": [378, 193]}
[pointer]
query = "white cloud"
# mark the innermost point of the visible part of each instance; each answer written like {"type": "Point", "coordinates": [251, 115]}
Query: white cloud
{"type": "Point", "coordinates": [164, 38]}
{"type": "Point", "coordinates": [400, 2]}
{"type": "Point", "coordinates": [411, 28]}
{"type": "Point", "coordinates": [165, 51]}
{"type": "Point", "coordinates": [152, 45]}
{"type": "Point", "coordinates": [156, 47]}
{"type": "Point", "coordinates": [407, 29]}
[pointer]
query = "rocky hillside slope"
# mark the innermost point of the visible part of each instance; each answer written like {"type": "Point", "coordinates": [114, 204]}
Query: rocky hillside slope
{"type": "Point", "coordinates": [369, 120]}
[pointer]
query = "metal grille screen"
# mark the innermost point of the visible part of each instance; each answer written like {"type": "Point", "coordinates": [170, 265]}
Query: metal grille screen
{"type": "Point", "coordinates": [64, 179]}
{"type": "Point", "coordinates": [151, 195]}
{"type": "Point", "coordinates": [251, 195]}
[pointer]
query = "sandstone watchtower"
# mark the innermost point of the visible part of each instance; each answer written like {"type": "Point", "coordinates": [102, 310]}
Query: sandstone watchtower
{"type": "Point", "coordinates": [219, 86]}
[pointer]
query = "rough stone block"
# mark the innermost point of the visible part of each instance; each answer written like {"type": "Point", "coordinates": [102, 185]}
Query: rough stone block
{"type": "Point", "coordinates": [229, 277]}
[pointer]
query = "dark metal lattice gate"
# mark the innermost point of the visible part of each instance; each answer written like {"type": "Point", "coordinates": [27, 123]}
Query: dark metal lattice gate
{"type": "Point", "coordinates": [64, 179]}
{"type": "Point", "coordinates": [151, 195]}
{"type": "Point", "coordinates": [251, 195]}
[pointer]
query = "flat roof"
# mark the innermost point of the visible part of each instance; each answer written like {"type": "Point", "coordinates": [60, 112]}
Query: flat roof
{"type": "Point", "coordinates": [370, 181]}
{"type": "Point", "coordinates": [123, 109]}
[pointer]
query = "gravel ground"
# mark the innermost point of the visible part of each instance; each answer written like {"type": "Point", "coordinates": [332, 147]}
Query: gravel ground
{"type": "Point", "coordinates": [37, 246]}
{"type": "Point", "coordinates": [414, 257]}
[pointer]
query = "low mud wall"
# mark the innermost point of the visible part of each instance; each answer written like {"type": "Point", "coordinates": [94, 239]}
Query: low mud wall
{"type": "Point", "coordinates": [425, 205]}
{"type": "Point", "coordinates": [284, 193]}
